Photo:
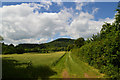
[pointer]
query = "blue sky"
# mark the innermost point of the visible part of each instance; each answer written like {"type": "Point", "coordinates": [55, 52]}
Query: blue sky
{"type": "Point", "coordinates": [106, 9]}
{"type": "Point", "coordinates": [43, 22]}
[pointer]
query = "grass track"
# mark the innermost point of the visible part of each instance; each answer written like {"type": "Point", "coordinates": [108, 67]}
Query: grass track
{"type": "Point", "coordinates": [75, 68]}
{"type": "Point", "coordinates": [67, 66]}
{"type": "Point", "coordinates": [80, 70]}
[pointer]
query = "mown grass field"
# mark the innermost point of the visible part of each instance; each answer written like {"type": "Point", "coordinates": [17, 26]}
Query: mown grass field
{"type": "Point", "coordinates": [36, 66]}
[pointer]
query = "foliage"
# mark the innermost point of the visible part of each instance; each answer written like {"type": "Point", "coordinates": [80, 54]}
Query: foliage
{"type": "Point", "coordinates": [8, 49]}
{"type": "Point", "coordinates": [70, 47]}
{"type": "Point", "coordinates": [11, 49]}
{"type": "Point", "coordinates": [79, 42]}
{"type": "Point", "coordinates": [20, 50]}
{"type": "Point", "coordinates": [103, 50]}
{"type": "Point", "coordinates": [1, 38]}
{"type": "Point", "coordinates": [54, 46]}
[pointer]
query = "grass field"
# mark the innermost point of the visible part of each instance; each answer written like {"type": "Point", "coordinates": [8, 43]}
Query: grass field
{"type": "Point", "coordinates": [35, 58]}
{"type": "Point", "coordinates": [36, 66]}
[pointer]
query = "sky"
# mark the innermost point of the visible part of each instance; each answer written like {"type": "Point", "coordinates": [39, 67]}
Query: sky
{"type": "Point", "coordinates": [41, 22]}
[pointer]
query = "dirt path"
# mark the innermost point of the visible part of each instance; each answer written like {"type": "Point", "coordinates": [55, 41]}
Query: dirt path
{"type": "Point", "coordinates": [89, 76]}
{"type": "Point", "coordinates": [74, 70]}
{"type": "Point", "coordinates": [86, 75]}
{"type": "Point", "coordinates": [65, 74]}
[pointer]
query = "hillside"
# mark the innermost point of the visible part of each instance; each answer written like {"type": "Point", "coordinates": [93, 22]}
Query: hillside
{"type": "Point", "coordinates": [61, 42]}
{"type": "Point", "coordinates": [53, 46]}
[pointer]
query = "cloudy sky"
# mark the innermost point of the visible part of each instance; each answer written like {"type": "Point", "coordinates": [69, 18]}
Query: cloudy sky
{"type": "Point", "coordinates": [39, 22]}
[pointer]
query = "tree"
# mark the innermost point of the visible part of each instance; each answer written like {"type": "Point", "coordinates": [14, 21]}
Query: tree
{"type": "Point", "coordinates": [103, 52]}
{"type": "Point", "coordinates": [105, 26]}
{"type": "Point", "coordinates": [79, 42]}
{"type": "Point", "coordinates": [70, 47]}
{"type": "Point", "coordinates": [20, 50]}
{"type": "Point", "coordinates": [117, 16]}
{"type": "Point", "coordinates": [1, 38]}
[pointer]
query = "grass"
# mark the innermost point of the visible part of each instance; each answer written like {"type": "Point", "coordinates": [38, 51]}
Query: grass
{"type": "Point", "coordinates": [13, 70]}
{"type": "Point", "coordinates": [34, 66]}
{"type": "Point", "coordinates": [82, 69]}
{"type": "Point", "coordinates": [35, 58]}
{"type": "Point", "coordinates": [75, 68]}
{"type": "Point", "coordinates": [59, 67]}
{"type": "Point", "coordinates": [29, 66]}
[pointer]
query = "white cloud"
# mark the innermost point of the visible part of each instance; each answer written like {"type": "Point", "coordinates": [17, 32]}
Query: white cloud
{"type": "Point", "coordinates": [20, 24]}
{"type": "Point", "coordinates": [85, 25]}
{"type": "Point", "coordinates": [95, 10]}
{"type": "Point", "coordinates": [46, 4]}
{"type": "Point", "coordinates": [79, 5]}
{"type": "Point", "coordinates": [30, 40]}
{"type": "Point", "coordinates": [59, 2]}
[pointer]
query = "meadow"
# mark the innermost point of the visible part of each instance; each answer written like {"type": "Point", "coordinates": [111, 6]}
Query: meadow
{"type": "Point", "coordinates": [29, 66]}
{"type": "Point", "coordinates": [35, 58]}
{"type": "Point", "coordinates": [34, 66]}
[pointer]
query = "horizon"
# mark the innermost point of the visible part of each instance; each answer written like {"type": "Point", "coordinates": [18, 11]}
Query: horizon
{"type": "Point", "coordinates": [37, 43]}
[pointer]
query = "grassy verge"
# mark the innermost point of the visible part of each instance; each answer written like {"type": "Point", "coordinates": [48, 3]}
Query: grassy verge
{"type": "Point", "coordinates": [84, 69]}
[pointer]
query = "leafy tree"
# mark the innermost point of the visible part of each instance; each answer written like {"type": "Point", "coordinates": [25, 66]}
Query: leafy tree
{"type": "Point", "coordinates": [1, 38]}
{"type": "Point", "coordinates": [20, 50]}
{"type": "Point", "coordinates": [103, 51]}
{"type": "Point", "coordinates": [117, 16]}
{"type": "Point", "coordinates": [79, 42]}
{"type": "Point", "coordinates": [70, 47]}
{"type": "Point", "coordinates": [8, 49]}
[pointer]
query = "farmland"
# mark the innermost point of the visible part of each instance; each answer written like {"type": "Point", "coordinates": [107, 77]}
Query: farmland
{"type": "Point", "coordinates": [48, 65]}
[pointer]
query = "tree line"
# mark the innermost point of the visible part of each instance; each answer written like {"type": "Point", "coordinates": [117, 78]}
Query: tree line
{"type": "Point", "coordinates": [54, 46]}
{"type": "Point", "coordinates": [103, 49]}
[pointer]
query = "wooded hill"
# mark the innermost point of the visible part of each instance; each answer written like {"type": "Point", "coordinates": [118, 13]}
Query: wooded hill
{"type": "Point", "coordinates": [53, 46]}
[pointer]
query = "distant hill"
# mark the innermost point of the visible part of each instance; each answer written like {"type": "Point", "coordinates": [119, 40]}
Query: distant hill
{"type": "Point", "coordinates": [61, 42]}
{"type": "Point", "coordinates": [55, 45]}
